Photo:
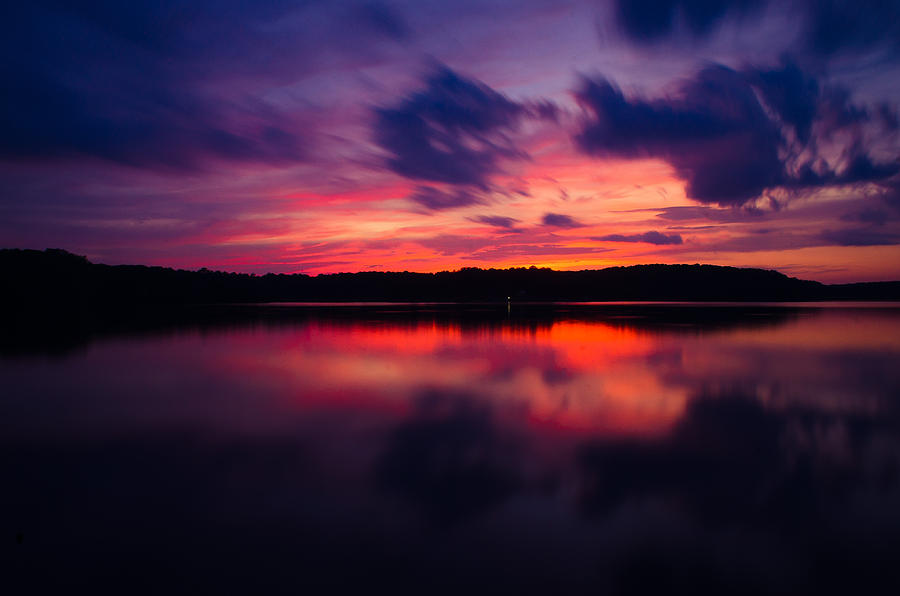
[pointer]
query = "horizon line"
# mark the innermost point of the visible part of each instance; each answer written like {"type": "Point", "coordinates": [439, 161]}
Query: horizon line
{"type": "Point", "coordinates": [458, 270]}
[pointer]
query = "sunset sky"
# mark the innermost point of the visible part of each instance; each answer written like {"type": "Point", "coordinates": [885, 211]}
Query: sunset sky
{"type": "Point", "coordinates": [324, 136]}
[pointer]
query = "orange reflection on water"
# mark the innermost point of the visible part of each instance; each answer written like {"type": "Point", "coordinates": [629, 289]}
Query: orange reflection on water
{"type": "Point", "coordinates": [577, 376]}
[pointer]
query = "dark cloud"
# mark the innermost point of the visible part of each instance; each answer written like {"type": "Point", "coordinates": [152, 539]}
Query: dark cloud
{"type": "Point", "coordinates": [122, 82]}
{"type": "Point", "coordinates": [715, 134]}
{"type": "Point", "coordinates": [498, 221]}
{"type": "Point", "coordinates": [436, 199]}
{"type": "Point", "coordinates": [651, 237]}
{"type": "Point", "coordinates": [172, 85]}
{"type": "Point", "coordinates": [384, 19]}
{"type": "Point", "coordinates": [726, 132]}
{"type": "Point", "coordinates": [792, 94]}
{"type": "Point", "coordinates": [868, 236]}
{"type": "Point", "coordinates": [691, 212]}
{"type": "Point", "coordinates": [167, 131]}
{"type": "Point", "coordinates": [827, 26]}
{"type": "Point", "coordinates": [45, 119]}
{"type": "Point", "coordinates": [559, 220]}
{"type": "Point", "coordinates": [867, 216]}
{"type": "Point", "coordinates": [651, 20]}
{"type": "Point", "coordinates": [848, 25]}
{"type": "Point", "coordinates": [453, 131]}
{"type": "Point", "coordinates": [891, 194]}
{"type": "Point", "coordinates": [889, 117]}
{"type": "Point", "coordinates": [547, 110]}
{"type": "Point", "coordinates": [836, 112]}
{"type": "Point", "coordinates": [861, 168]}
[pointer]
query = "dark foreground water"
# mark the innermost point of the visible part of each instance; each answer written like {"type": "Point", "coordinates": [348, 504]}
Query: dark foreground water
{"type": "Point", "coordinates": [574, 449]}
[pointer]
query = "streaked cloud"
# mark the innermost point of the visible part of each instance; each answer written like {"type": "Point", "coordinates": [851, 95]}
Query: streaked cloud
{"type": "Point", "coordinates": [560, 220]}
{"type": "Point", "coordinates": [651, 237]}
{"type": "Point", "coordinates": [391, 134]}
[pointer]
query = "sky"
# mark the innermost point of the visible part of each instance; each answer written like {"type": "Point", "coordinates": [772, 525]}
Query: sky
{"type": "Point", "coordinates": [323, 136]}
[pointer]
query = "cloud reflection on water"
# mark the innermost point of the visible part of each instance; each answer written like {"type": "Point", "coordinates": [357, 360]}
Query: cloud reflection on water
{"type": "Point", "coordinates": [603, 454]}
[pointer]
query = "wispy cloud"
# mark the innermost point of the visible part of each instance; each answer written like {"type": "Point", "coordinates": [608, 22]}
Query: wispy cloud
{"type": "Point", "coordinates": [560, 220]}
{"type": "Point", "coordinates": [651, 237]}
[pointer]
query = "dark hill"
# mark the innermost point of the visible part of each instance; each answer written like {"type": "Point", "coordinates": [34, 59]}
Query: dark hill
{"type": "Point", "coordinates": [56, 278]}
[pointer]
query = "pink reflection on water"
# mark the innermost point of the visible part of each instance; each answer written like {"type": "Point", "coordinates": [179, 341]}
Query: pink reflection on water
{"type": "Point", "coordinates": [535, 448]}
{"type": "Point", "coordinates": [578, 376]}
{"type": "Point", "coordinates": [612, 377]}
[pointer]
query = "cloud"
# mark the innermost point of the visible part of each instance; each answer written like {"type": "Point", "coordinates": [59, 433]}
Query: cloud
{"type": "Point", "coordinates": [436, 199]}
{"type": "Point", "coordinates": [385, 20]}
{"type": "Point", "coordinates": [845, 25]}
{"type": "Point", "coordinates": [451, 244]}
{"type": "Point", "coordinates": [869, 215]}
{"type": "Point", "coordinates": [454, 131]}
{"type": "Point", "coordinates": [149, 84]}
{"type": "Point", "coordinates": [692, 212]}
{"type": "Point", "coordinates": [826, 27]}
{"type": "Point", "coordinates": [176, 86]}
{"type": "Point", "coordinates": [166, 128]}
{"type": "Point", "coordinates": [726, 133]}
{"type": "Point", "coordinates": [528, 251]}
{"type": "Point", "coordinates": [862, 169]}
{"type": "Point", "coordinates": [651, 20]}
{"type": "Point", "coordinates": [715, 134]}
{"type": "Point", "coordinates": [559, 220]}
{"type": "Point", "coordinates": [651, 237]}
{"type": "Point", "coordinates": [792, 94]}
{"type": "Point", "coordinates": [891, 194]}
{"type": "Point", "coordinates": [498, 221]}
{"type": "Point", "coordinates": [868, 236]}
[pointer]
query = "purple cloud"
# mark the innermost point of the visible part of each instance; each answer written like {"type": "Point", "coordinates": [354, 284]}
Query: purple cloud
{"type": "Point", "coordinates": [437, 200]}
{"type": "Point", "coordinates": [453, 131]}
{"type": "Point", "coordinates": [559, 220]}
{"type": "Point", "coordinates": [848, 25]}
{"type": "Point", "coordinates": [173, 86]}
{"type": "Point", "coordinates": [869, 215]}
{"type": "Point", "coordinates": [715, 134]}
{"type": "Point", "coordinates": [498, 221]}
{"type": "Point", "coordinates": [651, 20]}
{"type": "Point", "coordinates": [691, 212]}
{"type": "Point", "coordinates": [827, 26]}
{"type": "Point", "coordinates": [135, 83]}
{"type": "Point", "coordinates": [719, 133]}
{"type": "Point", "coordinates": [651, 237]}
{"type": "Point", "coordinates": [385, 20]}
{"type": "Point", "coordinates": [861, 237]}
{"type": "Point", "coordinates": [791, 94]}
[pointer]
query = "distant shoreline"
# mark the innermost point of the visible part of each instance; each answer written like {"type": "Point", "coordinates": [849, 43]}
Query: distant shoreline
{"type": "Point", "coordinates": [58, 279]}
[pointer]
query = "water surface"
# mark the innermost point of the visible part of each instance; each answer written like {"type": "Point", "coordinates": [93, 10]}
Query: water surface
{"type": "Point", "coordinates": [567, 449]}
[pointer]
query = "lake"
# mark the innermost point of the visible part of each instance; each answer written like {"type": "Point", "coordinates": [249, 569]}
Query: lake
{"type": "Point", "coordinates": [569, 448]}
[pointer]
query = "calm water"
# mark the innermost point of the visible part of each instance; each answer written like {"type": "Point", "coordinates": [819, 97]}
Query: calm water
{"type": "Point", "coordinates": [605, 450]}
